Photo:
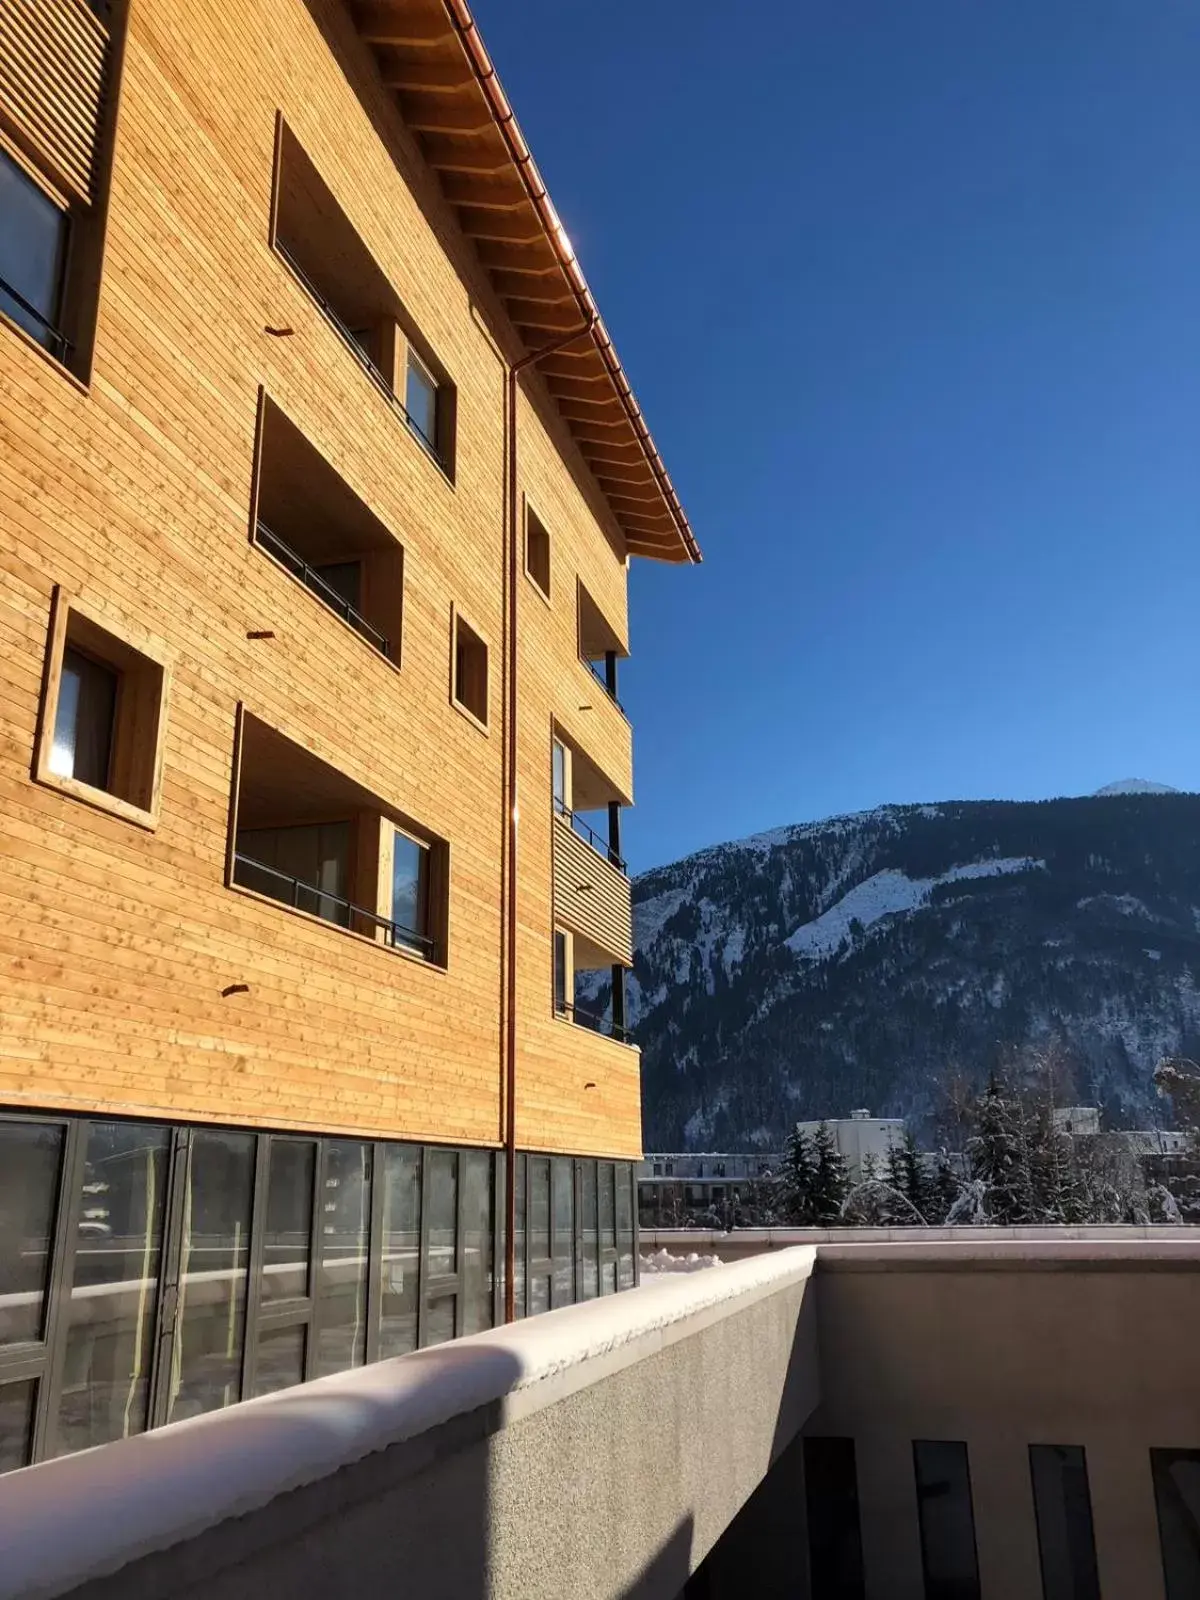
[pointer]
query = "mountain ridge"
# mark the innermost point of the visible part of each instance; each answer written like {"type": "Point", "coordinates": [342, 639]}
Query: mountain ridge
{"type": "Point", "coordinates": [811, 968]}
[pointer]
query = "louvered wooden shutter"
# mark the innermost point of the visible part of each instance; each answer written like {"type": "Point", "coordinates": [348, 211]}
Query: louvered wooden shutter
{"type": "Point", "coordinates": [52, 70]}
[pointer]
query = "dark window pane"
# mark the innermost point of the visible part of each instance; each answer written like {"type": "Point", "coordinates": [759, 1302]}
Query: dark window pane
{"type": "Point", "coordinates": [309, 864]}
{"type": "Point", "coordinates": [590, 1226]}
{"type": "Point", "coordinates": [539, 1234]}
{"type": "Point", "coordinates": [33, 238]}
{"type": "Point", "coordinates": [345, 1228]}
{"type": "Point", "coordinates": [114, 1296]}
{"type": "Point", "coordinates": [212, 1286]}
{"type": "Point", "coordinates": [947, 1520]}
{"type": "Point", "coordinates": [401, 1250]}
{"type": "Point", "coordinates": [1064, 1522]}
{"type": "Point", "coordinates": [477, 1240]}
{"type": "Point", "coordinates": [560, 972]}
{"type": "Point", "coordinates": [608, 1228]}
{"type": "Point", "coordinates": [345, 579]}
{"type": "Point", "coordinates": [30, 1163]}
{"type": "Point", "coordinates": [1177, 1494]}
{"type": "Point", "coordinates": [834, 1536]}
{"type": "Point", "coordinates": [564, 1232]}
{"type": "Point", "coordinates": [287, 1245]}
{"type": "Point", "coordinates": [17, 1405]}
{"type": "Point", "coordinates": [519, 1239]}
{"type": "Point", "coordinates": [621, 1174]}
{"type": "Point", "coordinates": [83, 723]}
{"type": "Point", "coordinates": [410, 886]}
{"type": "Point", "coordinates": [442, 1231]}
{"type": "Point", "coordinates": [420, 401]}
{"type": "Point", "coordinates": [439, 1320]}
{"type": "Point", "coordinates": [280, 1363]}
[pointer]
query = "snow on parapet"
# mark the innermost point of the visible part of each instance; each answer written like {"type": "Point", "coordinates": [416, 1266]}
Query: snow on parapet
{"type": "Point", "coordinates": [888, 894]}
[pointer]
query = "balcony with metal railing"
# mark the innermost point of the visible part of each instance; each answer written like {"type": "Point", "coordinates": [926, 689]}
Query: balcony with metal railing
{"type": "Point", "coordinates": [318, 902]}
{"type": "Point", "coordinates": [312, 523]}
{"type": "Point", "coordinates": [40, 328]}
{"type": "Point", "coordinates": [320, 586]}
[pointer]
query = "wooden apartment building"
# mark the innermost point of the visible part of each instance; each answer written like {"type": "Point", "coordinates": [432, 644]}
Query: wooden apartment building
{"type": "Point", "coordinates": [319, 482]}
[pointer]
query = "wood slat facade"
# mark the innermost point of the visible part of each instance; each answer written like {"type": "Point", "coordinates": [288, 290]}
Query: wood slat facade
{"type": "Point", "coordinates": [591, 896]}
{"type": "Point", "coordinates": [133, 979]}
{"type": "Point", "coordinates": [53, 56]}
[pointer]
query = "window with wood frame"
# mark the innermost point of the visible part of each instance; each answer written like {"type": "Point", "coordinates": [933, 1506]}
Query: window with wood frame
{"type": "Point", "coordinates": [537, 551]}
{"type": "Point", "coordinates": [329, 257]}
{"type": "Point", "coordinates": [470, 670]}
{"type": "Point", "coordinates": [58, 90]}
{"type": "Point", "coordinates": [102, 714]}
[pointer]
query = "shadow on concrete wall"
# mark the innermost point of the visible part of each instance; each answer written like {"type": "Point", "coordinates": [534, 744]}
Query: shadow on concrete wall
{"type": "Point", "coordinates": [764, 1550]}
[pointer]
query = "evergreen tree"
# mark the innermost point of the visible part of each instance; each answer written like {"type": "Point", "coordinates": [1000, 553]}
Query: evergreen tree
{"type": "Point", "coordinates": [831, 1181]}
{"type": "Point", "coordinates": [945, 1188]}
{"type": "Point", "coordinates": [796, 1181]}
{"type": "Point", "coordinates": [999, 1156]}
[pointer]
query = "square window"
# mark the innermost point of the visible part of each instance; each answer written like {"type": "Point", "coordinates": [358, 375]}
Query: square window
{"type": "Point", "coordinates": [102, 714]}
{"type": "Point", "coordinates": [470, 685]}
{"type": "Point", "coordinates": [537, 551]}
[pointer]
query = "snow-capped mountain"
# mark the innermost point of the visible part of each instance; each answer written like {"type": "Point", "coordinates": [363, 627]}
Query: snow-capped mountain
{"type": "Point", "coordinates": [1135, 786]}
{"type": "Point", "coordinates": [854, 962]}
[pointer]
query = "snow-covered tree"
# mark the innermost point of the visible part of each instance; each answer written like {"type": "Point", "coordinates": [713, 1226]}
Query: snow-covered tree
{"type": "Point", "coordinates": [796, 1181]}
{"type": "Point", "coordinates": [831, 1178]}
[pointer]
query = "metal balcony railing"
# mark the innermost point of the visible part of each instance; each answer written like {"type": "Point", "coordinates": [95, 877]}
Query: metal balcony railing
{"type": "Point", "coordinates": [589, 835]}
{"type": "Point", "coordinates": [50, 337]}
{"type": "Point", "coordinates": [600, 673]}
{"type": "Point", "coordinates": [594, 1021]}
{"type": "Point", "coordinates": [257, 876]}
{"type": "Point", "coordinates": [346, 333]}
{"type": "Point", "coordinates": [325, 592]}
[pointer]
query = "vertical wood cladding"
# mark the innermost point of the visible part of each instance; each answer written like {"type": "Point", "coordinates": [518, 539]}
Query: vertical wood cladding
{"type": "Point", "coordinates": [131, 979]}
{"type": "Point", "coordinates": [52, 67]}
{"type": "Point", "coordinates": [590, 895]}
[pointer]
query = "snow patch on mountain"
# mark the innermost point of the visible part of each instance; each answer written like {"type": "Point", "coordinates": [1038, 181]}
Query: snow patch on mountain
{"type": "Point", "coordinates": [887, 894]}
{"type": "Point", "coordinates": [1135, 786]}
{"type": "Point", "coordinates": [1126, 905]}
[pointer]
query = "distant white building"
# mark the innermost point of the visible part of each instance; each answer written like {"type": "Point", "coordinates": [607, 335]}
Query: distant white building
{"type": "Point", "coordinates": [860, 1135]}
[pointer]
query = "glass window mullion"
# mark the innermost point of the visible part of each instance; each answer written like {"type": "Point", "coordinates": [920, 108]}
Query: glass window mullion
{"type": "Point", "coordinates": [423, 1253]}
{"type": "Point", "coordinates": [58, 1289]}
{"type": "Point", "coordinates": [379, 1178]}
{"type": "Point", "coordinates": [258, 1218]}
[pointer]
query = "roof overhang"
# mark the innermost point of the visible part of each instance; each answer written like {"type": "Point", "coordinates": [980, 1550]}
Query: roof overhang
{"type": "Point", "coordinates": [432, 58]}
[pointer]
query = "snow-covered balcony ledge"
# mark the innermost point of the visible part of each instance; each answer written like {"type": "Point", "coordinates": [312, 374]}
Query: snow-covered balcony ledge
{"type": "Point", "coordinates": [558, 1457]}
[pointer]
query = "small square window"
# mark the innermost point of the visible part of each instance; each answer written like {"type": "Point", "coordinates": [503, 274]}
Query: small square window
{"type": "Point", "coordinates": [537, 551]}
{"type": "Point", "coordinates": [101, 732]}
{"type": "Point", "coordinates": [470, 685]}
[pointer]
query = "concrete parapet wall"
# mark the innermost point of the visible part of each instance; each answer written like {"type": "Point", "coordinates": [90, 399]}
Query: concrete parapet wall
{"type": "Point", "coordinates": [567, 1456]}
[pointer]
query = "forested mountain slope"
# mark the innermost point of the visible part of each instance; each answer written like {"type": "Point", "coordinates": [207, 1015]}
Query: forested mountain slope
{"type": "Point", "coordinates": [856, 961]}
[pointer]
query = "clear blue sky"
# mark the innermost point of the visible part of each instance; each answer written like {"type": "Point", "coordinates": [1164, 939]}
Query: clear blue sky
{"type": "Point", "coordinates": [910, 293]}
